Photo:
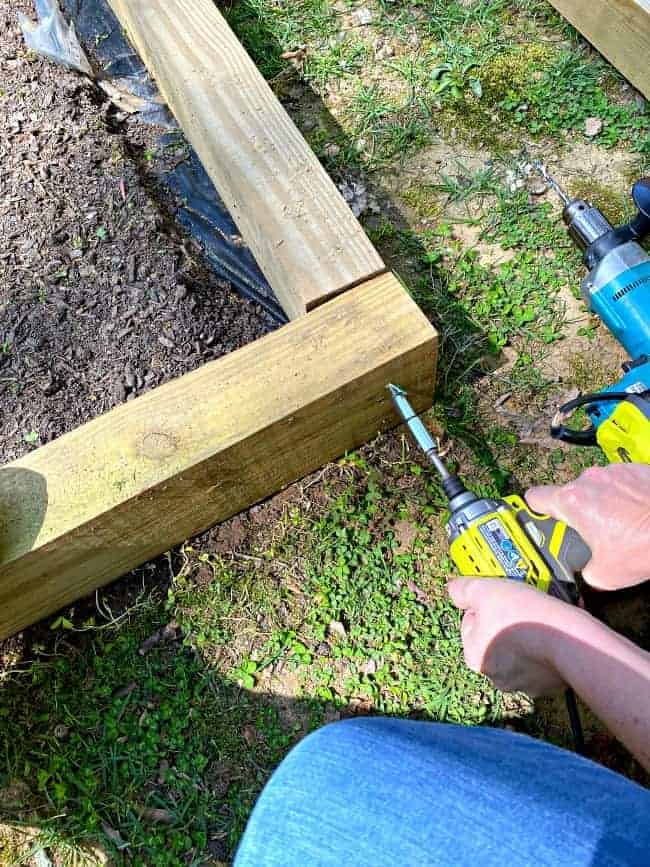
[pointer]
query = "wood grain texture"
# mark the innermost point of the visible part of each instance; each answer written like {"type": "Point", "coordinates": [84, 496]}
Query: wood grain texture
{"type": "Point", "coordinates": [302, 233]}
{"type": "Point", "coordinates": [619, 29]}
{"type": "Point", "coordinates": [130, 484]}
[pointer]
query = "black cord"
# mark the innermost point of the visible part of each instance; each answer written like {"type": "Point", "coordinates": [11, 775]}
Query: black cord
{"type": "Point", "coordinates": [585, 437]}
{"type": "Point", "coordinates": [595, 397]}
{"type": "Point", "coordinates": [576, 722]}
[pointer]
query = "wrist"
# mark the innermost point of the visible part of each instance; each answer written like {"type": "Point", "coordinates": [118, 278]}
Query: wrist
{"type": "Point", "coordinates": [573, 633]}
{"type": "Point", "coordinates": [560, 625]}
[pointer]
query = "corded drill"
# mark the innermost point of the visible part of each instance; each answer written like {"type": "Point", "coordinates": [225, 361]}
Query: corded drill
{"type": "Point", "coordinates": [617, 289]}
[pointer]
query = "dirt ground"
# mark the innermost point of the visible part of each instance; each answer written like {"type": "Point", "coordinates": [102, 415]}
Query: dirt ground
{"type": "Point", "coordinates": [101, 296]}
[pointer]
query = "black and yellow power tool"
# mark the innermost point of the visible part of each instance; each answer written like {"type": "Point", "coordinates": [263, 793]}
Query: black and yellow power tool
{"type": "Point", "coordinates": [617, 289]}
{"type": "Point", "coordinates": [504, 538]}
{"type": "Point", "coordinates": [501, 538]}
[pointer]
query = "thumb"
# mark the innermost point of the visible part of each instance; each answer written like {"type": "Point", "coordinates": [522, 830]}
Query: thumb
{"type": "Point", "coordinates": [544, 499]}
{"type": "Point", "coordinates": [460, 591]}
{"type": "Point", "coordinates": [599, 578]}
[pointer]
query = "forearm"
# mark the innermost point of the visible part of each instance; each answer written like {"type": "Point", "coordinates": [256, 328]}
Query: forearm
{"type": "Point", "coordinates": [610, 674]}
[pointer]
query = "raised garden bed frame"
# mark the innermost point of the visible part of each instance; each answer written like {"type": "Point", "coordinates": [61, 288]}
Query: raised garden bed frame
{"type": "Point", "coordinates": [129, 485]}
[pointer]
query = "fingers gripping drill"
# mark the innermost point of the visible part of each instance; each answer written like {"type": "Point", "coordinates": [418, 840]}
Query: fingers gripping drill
{"type": "Point", "coordinates": [504, 538]}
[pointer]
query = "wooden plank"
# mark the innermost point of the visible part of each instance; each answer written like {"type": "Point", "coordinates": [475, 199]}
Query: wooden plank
{"type": "Point", "coordinates": [619, 29]}
{"type": "Point", "coordinates": [130, 484]}
{"type": "Point", "coordinates": [302, 233]}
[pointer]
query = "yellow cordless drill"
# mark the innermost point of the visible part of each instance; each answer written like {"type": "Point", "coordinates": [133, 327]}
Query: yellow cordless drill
{"type": "Point", "coordinates": [504, 538]}
{"type": "Point", "coordinates": [501, 538]}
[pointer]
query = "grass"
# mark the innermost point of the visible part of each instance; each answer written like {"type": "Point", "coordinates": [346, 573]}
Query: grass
{"type": "Point", "coordinates": [336, 605]}
{"type": "Point", "coordinates": [490, 71]}
{"type": "Point", "coordinates": [105, 730]}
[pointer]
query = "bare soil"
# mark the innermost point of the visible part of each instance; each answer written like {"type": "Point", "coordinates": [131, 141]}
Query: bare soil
{"type": "Point", "coordinates": [102, 297]}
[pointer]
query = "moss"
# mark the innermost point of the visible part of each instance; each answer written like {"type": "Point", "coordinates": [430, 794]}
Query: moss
{"type": "Point", "coordinates": [479, 121]}
{"type": "Point", "coordinates": [612, 201]}
{"type": "Point", "coordinates": [472, 124]}
{"type": "Point", "coordinates": [510, 73]}
{"type": "Point", "coordinates": [423, 201]}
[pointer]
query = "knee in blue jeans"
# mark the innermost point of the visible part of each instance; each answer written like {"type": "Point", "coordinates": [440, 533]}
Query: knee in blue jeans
{"type": "Point", "coordinates": [342, 735]}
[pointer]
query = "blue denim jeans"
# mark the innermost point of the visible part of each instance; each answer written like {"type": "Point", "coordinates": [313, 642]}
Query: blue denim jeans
{"type": "Point", "coordinates": [388, 792]}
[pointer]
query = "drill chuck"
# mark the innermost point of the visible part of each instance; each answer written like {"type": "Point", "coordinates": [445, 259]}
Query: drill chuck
{"type": "Point", "coordinates": [585, 223]}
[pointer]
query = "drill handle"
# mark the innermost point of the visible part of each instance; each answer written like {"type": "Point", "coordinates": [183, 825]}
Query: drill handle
{"type": "Point", "coordinates": [639, 227]}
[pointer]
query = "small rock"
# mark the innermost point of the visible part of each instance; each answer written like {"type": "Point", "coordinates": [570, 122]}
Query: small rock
{"type": "Point", "coordinates": [331, 150]}
{"type": "Point", "coordinates": [61, 731]}
{"type": "Point", "coordinates": [514, 181]}
{"type": "Point", "coordinates": [356, 195]}
{"type": "Point", "coordinates": [166, 342]}
{"type": "Point", "coordinates": [113, 835]}
{"type": "Point", "coordinates": [593, 126]}
{"type": "Point", "coordinates": [324, 649]}
{"type": "Point", "coordinates": [130, 380]}
{"type": "Point", "coordinates": [383, 50]}
{"type": "Point", "coordinates": [336, 628]}
{"type": "Point", "coordinates": [536, 186]}
{"type": "Point", "coordinates": [364, 16]}
{"type": "Point", "coordinates": [156, 814]}
{"type": "Point", "coordinates": [180, 293]}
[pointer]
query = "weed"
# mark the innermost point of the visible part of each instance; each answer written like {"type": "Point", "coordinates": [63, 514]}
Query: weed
{"type": "Point", "coordinates": [395, 650]}
{"type": "Point", "coordinates": [467, 185]}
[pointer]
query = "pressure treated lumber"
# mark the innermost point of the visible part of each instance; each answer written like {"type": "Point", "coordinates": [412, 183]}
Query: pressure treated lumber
{"type": "Point", "coordinates": [302, 233]}
{"type": "Point", "coordinates": [619, 29]}
{"type": "Point", "coordinates": [130, 484]}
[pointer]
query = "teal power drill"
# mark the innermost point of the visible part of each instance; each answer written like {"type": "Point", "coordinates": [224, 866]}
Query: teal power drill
{"type": "Point", "coordinates": [617, 289]}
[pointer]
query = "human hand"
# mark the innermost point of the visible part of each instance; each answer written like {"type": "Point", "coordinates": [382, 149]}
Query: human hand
{"type": "Point", "coordinates": [508, 632]}
{"type": "Point", "coordinates": [610, 508]}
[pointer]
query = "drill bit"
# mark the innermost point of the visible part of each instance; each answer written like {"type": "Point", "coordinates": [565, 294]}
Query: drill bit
{"type": "Point", "coordinates": [417, 429]}
{"type": "Point", "coordinates": [553, 184]}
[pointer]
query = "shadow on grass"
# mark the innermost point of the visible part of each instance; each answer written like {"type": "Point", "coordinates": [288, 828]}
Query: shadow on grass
{"type": "Point", "coordinates": [128, 738]}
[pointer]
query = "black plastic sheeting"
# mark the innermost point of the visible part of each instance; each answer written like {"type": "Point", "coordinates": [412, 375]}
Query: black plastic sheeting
{"type": "Point", "coordinates": [200, 210]}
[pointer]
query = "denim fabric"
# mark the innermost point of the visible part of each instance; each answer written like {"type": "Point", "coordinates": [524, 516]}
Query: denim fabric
{"type": "Point", "coordinates": [386, 792]}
